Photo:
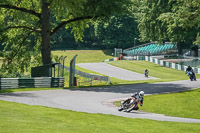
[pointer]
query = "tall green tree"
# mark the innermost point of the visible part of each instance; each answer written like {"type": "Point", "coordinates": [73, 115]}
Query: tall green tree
{"type": "Point", "coordinates": [150, 27]}
{"type": "Point", "coordinates": [182, 22]}
{"type": "Point", "coordinates": [118, 32]}
{"type": "Point", "coordinates": [23, 20]}
{"type": "Point", "coordinates": [172, 20]}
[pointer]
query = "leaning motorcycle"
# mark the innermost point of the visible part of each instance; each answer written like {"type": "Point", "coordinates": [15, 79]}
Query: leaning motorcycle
{"type": "Point", "coordinates": [128, 105]}
{"type": "Point", "coordinates": [191, 76]}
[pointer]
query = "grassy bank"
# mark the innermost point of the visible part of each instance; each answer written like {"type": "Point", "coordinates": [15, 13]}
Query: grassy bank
{"type": "Point", "coordinates": [20, 118]}
{"type": "Point", "coordinates": [183, 104]}
{"type": "Point", "coordinates": [84, 56]}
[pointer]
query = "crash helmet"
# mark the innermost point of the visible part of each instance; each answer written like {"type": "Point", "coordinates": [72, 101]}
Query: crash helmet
{"type": "Point", "coordinates": [141, 93]}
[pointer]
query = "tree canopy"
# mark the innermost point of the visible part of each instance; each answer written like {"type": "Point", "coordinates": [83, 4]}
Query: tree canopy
{"type": "Point", "coordinates": [27, 25]}
{"type": "Point", "coordinates": [173, 20]}
{"type": "Point", "coordinates": [32, 25]}
{"type": "Point", "coordinates": [118, 32]}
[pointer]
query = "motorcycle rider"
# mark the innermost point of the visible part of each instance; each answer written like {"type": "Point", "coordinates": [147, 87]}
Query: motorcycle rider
{"type": "Point", "coordinates": [189, 69]}
{"type": "Point", "coordinates": [138, 97]}
{"type": "Point", "coordinates": [146, 72]}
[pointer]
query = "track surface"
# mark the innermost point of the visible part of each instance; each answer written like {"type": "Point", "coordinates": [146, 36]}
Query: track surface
{"type": "Point", "coordinates": [100, 99]}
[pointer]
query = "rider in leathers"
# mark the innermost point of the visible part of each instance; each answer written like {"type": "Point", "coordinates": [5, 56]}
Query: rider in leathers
{"type": "Point", "coordinates": [138, 97]}
{"type": "Point", "coordinates": [189, 69]}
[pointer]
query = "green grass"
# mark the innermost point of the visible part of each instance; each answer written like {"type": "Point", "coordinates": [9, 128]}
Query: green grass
{"type": "Point", "coordinates": [84, 56]}
{"type": "Point", "coordinates": [20, 118]}
{"type": "Point", "coordinates": [184, 104]}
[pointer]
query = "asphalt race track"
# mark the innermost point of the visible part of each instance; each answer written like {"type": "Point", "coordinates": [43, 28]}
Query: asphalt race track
{"type": "Point", "coordinates": [100, 99]}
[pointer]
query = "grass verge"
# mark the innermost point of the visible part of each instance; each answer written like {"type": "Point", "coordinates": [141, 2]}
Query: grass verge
{"type": "Point", "coordinates": [182, 104]}
{"type": "Point", "coordinates": [21, 118]}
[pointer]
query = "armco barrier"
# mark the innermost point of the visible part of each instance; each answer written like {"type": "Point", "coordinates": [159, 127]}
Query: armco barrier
{"type": "Point", "coordinates": [37, 82]}
{"type": "Point", "coordinates": [168, 64]}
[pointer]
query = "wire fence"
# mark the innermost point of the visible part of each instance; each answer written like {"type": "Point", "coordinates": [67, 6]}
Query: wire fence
{"type": "Point", "coordinates": [90, 77]}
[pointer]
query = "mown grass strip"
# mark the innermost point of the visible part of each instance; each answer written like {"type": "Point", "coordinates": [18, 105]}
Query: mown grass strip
{"type": "Point", "coordinates": [20, 118]}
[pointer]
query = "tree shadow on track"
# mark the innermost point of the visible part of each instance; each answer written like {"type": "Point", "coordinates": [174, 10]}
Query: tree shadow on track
{"type": "Point", "coordinates": [20, 94]}
{"type": "Point", "coordinates": [147, 88]}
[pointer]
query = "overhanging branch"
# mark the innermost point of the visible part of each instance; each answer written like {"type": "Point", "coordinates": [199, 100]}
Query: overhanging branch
{"type": "Point", "coordinates": [21, 9]}
{"type": "Point", "coordinates": [24, 27]}
{"type": "Point", "coordinates": [15, 52]}
{"type": "Point", "coordinates": [69, 21]}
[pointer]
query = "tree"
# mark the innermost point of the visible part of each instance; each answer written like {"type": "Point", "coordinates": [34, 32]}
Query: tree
{"type": "Point", "coordinates": [150, 27]}
{"type": "Point", "coordinates": [23, 20]}
{"type": "Point", "coordinates": [118, 32]}
{"type": "Point", "coordinates": [172, 20]}
{"type": "Point", "coordinates": [182, 22]}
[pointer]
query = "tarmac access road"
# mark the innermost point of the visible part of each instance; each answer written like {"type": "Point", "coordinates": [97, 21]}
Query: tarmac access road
{"type": "Point", "coordinates": [100, 99]}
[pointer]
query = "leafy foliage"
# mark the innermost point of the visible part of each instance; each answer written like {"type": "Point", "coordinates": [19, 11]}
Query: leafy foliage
{"type": "Point", "coordinates": [23, 29]}
{"type": "Point", "coordinates": [173, 20]}
{"type": "Point", "coordinates": [118, 32]}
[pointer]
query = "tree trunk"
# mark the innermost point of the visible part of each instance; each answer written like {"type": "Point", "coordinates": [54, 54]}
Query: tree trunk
{"type": "Point", "coordinates": [46, 48]}
{"type": "Point", "coordinates": [179, 46]}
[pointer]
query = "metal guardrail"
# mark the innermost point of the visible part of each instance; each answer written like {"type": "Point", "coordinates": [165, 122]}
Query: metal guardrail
{"type": "Point", "coordinates": [37, 82]}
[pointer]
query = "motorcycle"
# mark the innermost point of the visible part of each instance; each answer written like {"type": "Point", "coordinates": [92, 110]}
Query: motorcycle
{"type": "Point", "coordinates": [191, 75]}
{"type": "Point", "coordinates": [129, 105]}
{"type": "Point", "coordinates": [146, 74]}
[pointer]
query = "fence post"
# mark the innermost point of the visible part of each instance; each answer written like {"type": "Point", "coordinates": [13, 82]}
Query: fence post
{"type": "Point", "coordinates": [72, 71]}
{"type": "Point", "coordinates": [61, 57]}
